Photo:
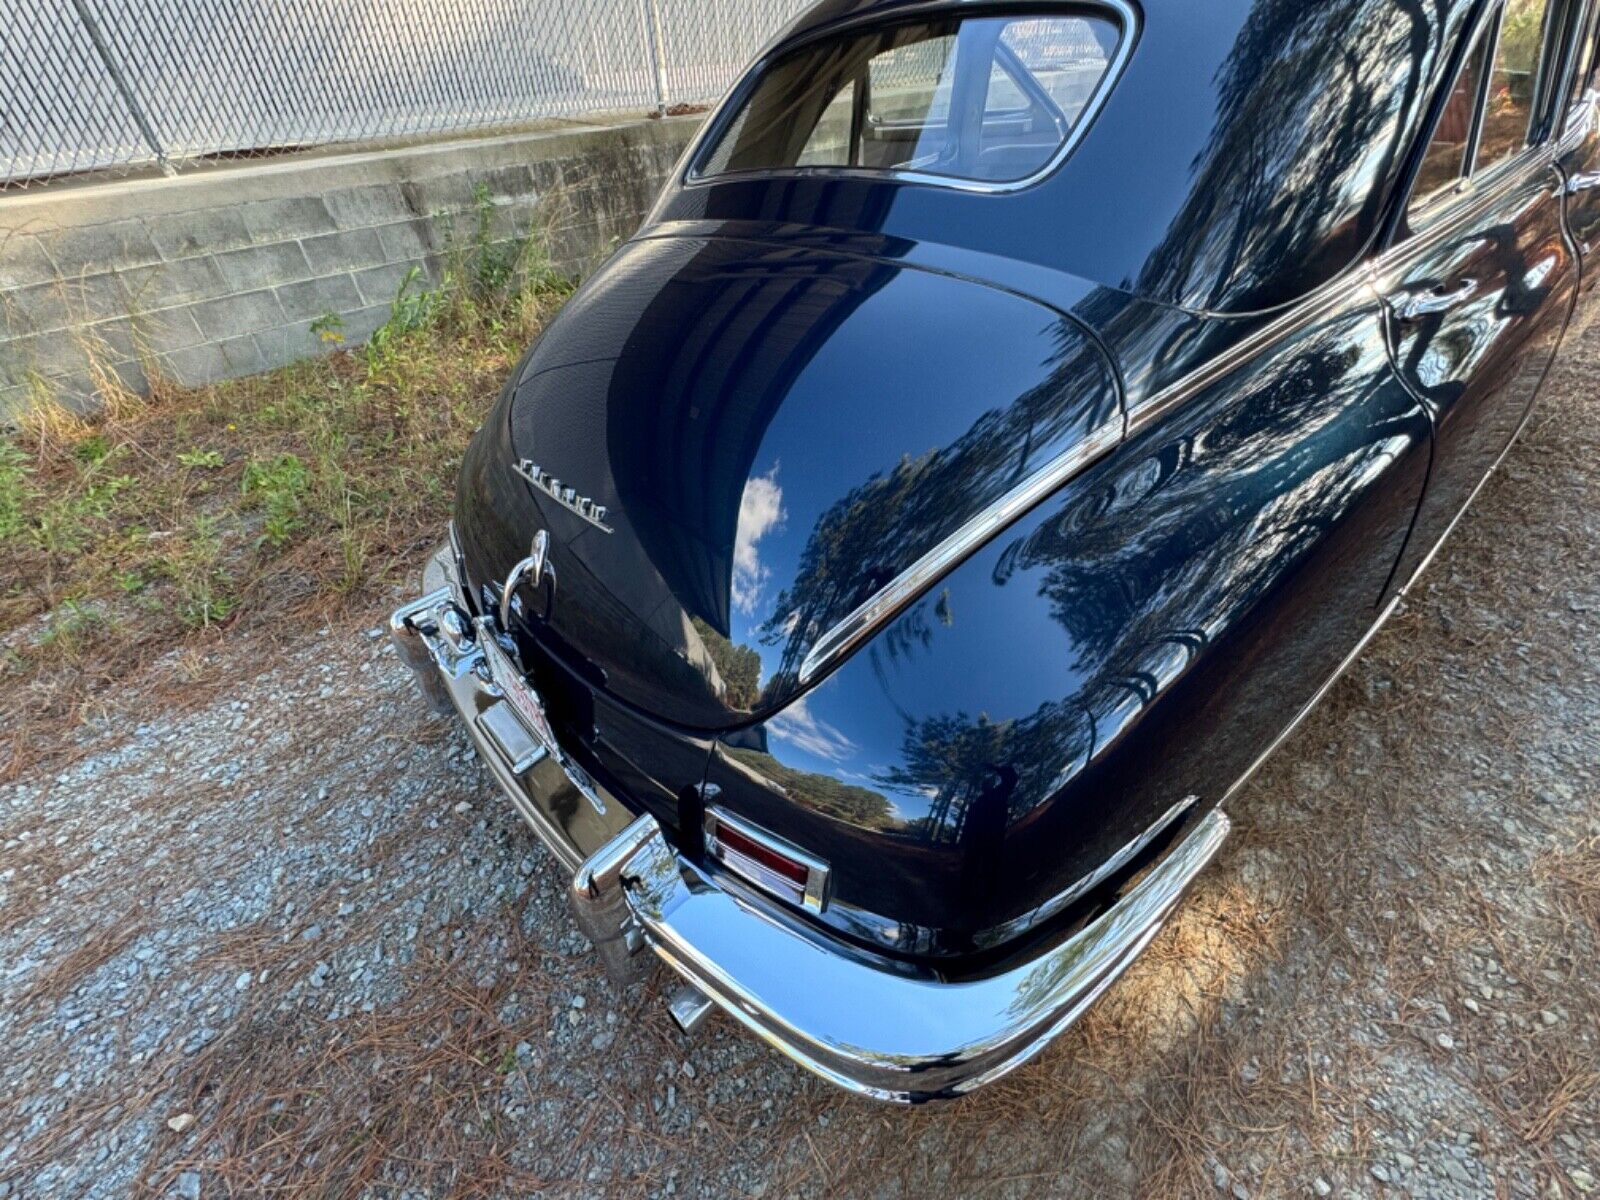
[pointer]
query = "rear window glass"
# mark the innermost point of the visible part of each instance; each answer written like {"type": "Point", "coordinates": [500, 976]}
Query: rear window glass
{"type": "Point", "coordinates": [991, 99]}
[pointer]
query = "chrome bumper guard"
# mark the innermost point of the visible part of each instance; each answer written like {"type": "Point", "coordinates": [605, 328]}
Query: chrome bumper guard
{"type": "Point", "coordinates": [877, 1029]}
{"type": "Point", "coordinates": [445, 650]}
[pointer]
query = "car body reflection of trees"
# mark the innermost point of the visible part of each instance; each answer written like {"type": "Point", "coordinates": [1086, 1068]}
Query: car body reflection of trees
{"type": "Point", "coordinates": [1281, 476]}
{"type": "Point", "coordinates": [884, 524]}
{"type": "Point", "coordinates": [1140, 570]}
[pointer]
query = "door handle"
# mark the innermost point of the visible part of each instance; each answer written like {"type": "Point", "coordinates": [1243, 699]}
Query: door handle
{"type": "Point", "coordinates": [1435, 300]}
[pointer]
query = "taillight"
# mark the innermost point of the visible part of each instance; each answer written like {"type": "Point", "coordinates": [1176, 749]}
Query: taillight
{"type": "Point", "coordinates": [769, 862]}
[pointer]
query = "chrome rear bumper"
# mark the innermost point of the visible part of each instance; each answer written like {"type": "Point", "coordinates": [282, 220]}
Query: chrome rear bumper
{"type": "Point", "coordinates": [876, 1028]}
{"type": "Point", "coordinates": [861, 1024]}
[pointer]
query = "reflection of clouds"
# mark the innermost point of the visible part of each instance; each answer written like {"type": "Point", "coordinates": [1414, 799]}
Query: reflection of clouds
{"type": "Point", "coordinates": [806, 732]}
{"type": "Point", "coordinates": [760, 511]}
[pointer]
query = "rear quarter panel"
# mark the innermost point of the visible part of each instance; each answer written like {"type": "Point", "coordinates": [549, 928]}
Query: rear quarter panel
{"type": "Point", "coordinates": [1138, 639]}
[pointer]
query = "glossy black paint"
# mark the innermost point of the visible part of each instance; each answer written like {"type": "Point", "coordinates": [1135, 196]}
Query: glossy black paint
{"type": "Point", "coordinates": [777, 431]}
{"type": "Point", "coordinates": [1135, 641]}
{"type": "Point", "coordinates": [786, 389]}
{"type": "Point", "coordinates": [1478, 363]}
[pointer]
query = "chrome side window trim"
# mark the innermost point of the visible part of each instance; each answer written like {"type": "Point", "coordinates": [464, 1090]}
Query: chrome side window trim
{"type": "Point", "coordinates": [1480, 102]}
{"type": "Point", "coordinates": [1471, 184]}
{"type": "Point", "coordinates": [1466, 205]}
{"type": "Point", "coordinates": [1432, 202]}
{"type": "Point", "coordinates": [1126, 15]}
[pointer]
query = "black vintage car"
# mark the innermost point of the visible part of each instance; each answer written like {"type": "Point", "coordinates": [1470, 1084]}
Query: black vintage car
{"type": "Point", "coordinates": [876, 581]}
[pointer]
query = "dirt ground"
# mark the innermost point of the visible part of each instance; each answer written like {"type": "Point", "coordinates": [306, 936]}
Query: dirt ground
{"type": "Point", "coordinates": [285, 939]}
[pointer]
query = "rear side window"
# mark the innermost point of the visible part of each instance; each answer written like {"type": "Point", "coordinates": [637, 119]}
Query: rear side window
{"type": "Point", "coordinates": [1518, 60]}
{"type": "Point", "coordinates": [1446, 158]}
{"type": "Point", "coordinates": [992, 99]}
{"type": "Point", "coordinates": [1489, 114]}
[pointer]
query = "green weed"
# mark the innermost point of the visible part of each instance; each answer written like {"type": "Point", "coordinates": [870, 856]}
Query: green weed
{"type": "Point", "coordinates": [92, 449]}
{"type": "Point", "coordinates": [329, 328]}
{"type": "Point", "coordinates": [278, 487]}
{"type": "Point", "coordinates": [14, 490]}
{"type": "Point", "coordinates": [305, 492]}
{"type": "Point", "coordinates": [203, 583]}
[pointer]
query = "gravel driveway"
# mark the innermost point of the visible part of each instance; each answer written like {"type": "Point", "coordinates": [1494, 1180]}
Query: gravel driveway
{"type": "Point", "coordinates": [278, 934]}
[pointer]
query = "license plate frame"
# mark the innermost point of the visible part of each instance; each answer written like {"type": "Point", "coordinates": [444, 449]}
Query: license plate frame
{"type": "Point", "coordinates": [524, 701]}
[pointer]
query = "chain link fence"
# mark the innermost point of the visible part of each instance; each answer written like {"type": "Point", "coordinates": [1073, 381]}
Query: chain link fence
{"type": "Point", "coordinates": [97, 85]}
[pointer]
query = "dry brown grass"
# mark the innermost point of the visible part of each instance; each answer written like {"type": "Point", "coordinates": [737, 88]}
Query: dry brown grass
{"type": "Point", "coordinates": [163, 520]}
{"type": "Point", "coordinates": [297, 1106]}
{"type": "Point", "coordinates": [1573, 876]}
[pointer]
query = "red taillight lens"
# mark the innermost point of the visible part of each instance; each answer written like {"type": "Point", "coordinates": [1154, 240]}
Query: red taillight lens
{"type": "Point", "coordinates": [769, 862]}
{"type": "Point", "coordinates": [796, 873]}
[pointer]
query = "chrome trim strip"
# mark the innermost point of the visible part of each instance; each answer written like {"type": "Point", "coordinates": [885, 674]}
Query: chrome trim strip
{"type": "Point", "coordinates": [1073, 893]}
{"type": "Point", "coordinates": [884, 1031]}
{"type": "Point", "coordinates": [1368, 276]}
{"type": "Point", "coordinates": [1427, 559]}
{"type": "Point", "coordinates": [716, 125]}
{"type": "Point", "coordinates": [1371, 276]}
{"type": "Point", "coordinates": [905, 587]}
{"type": "Point", "coordinates": [1287, 731]}
{"type": "Point", "coordinates": [1319, 303]}
{"type": "Point", "coordinates": [1453, 209]}
{"type": "Point", "coordinates": [877, 611]}
{"type": "Point", "coordinates": [1396, 602]}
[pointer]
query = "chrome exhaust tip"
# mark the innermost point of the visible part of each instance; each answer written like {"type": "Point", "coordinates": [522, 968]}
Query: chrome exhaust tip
{"type": "Point", "coordinates": [689, 1006]}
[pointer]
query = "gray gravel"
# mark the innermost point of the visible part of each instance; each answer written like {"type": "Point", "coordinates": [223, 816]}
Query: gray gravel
{"type": "Point", "coordinates": [290, 940]}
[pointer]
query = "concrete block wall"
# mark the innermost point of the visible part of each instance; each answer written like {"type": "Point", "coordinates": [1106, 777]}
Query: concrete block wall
{"type": "Point", "coordinates": [223, 271]}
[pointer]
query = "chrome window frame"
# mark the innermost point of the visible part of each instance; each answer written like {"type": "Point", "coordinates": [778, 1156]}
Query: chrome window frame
{"type": "Point", "coordinates": [1585, 32]}
{"type": "Point", "coordinates": [1420, 213]}
{"type": "Point", "coordinates": [1124, 12]}
{"type": "Point", "coordinates": [1420, 218]}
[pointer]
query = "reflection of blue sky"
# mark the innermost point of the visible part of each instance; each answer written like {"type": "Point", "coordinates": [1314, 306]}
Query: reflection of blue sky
{"type": "Point", "coordinates": [760, 513]}
{"type": "Point", "coordinates": [825, 448]}
{"type": "Point", "coordinates": [806, 742]}
{"type": "Point", "coordinates": [798, 728]}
